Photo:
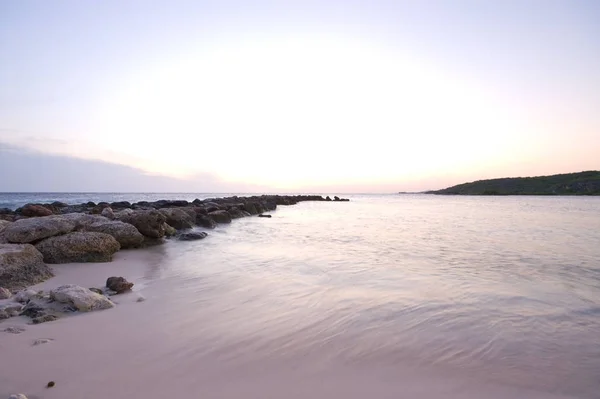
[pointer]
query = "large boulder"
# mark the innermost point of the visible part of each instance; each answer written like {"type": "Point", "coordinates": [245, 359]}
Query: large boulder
{"type": "Point", "coordinates": [108, 213]}
{"type": "Point", "coordinates": [79, 247]}
{"type": "Point", "coordinates": [205, 221]}
{"type": "Point", "coordinates": [29, 230]}
{"type": "Point", "coordinates": [126, 234]}
{"type": "Point", "coordinates": [236, 213]}
{"type": "Point", "coordinates": [33, 210]}
{"type": "Point", "coordinates": [21, 265]}
{"type": "Point", "coordinates": [81, 298]}
{"type": "Point", "coordinates": [220, 216]}
{"type": "Point", "coordinates": [82, 220]}
{"type": "Point", "coordinates": [250, 207]}
{"type": "Point", "coordinates": [3, 225]}
{"type": "Point", "coordinates": [178, 218]}
{"type": "Point", "coordinates": [148, 222]}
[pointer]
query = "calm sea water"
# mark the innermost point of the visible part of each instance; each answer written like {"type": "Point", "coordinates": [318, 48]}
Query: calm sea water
{"type": "Point", "coordinates": [505, 290]}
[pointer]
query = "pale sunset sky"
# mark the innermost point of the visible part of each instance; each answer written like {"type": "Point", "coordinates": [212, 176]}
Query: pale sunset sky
{"type": "Point", "coordinates": [250, 96]}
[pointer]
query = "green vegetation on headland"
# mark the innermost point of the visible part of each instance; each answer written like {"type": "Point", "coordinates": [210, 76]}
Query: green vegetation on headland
{"type": "Point", "coordinates": [582, 183]}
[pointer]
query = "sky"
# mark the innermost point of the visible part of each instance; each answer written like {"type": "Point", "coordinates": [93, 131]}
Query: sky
{"type": "Point", "coordinates": [295, 96]}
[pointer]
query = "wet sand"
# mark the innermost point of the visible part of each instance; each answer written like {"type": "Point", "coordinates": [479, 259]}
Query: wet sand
{"type": "Point", "coordinates": [136, 350]}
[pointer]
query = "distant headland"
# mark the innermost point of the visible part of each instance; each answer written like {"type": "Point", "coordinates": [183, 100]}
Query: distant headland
{"type": "Point", "coordinates": [582, 183]}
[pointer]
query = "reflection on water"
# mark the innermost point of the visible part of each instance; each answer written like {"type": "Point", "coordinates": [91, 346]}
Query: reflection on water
{"type": "Point", "coordinates": [505, 289]}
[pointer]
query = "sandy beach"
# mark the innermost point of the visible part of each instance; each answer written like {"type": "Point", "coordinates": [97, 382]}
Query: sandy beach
{"type": "Point", "coordinates": [141, 350]}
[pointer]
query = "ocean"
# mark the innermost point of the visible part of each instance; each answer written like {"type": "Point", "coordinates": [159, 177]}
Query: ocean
{"type": "Point", "coordinates": [500, 290]}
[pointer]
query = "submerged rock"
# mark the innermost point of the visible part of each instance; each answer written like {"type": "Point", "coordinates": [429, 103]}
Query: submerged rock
{"type": "Point", "coordinates": [97, 291]}
{"type": "Point", "coordinates": [79, 247]}
{"type": "Point", "coordinates": [118, 284]}
{"type": "Point", "coordinates": [44, 319]}
{"type": "Point", "coordinates": [81, 298]}
{"type": "Point", "coordinates": [25, 231]}
{"type": "Point", "coordinates": [21, 265]}
{"type": "Point", "coordinates": [14, 330]}
{"type": "Point", "coordinates": [192, 235]}
{"type": "Point", "coordinates": [17, 396]}
{"type": "Point", "coordinates": [262, 215]}
{"type": "Point", "coordinates": [41, 341]}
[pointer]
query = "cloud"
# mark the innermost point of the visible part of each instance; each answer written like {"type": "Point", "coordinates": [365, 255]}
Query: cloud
{"type": "Point", "coordinates": [22, 169]}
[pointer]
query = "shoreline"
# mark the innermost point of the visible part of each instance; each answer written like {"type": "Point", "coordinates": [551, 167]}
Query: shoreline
{"type": "Point", "coordinates": [134, 350]}
{"type": "Point", "coordinates": [37, 235]}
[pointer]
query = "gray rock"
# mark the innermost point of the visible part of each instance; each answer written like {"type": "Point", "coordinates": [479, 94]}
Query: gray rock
{"type": "Point", "coordinates": [81, 298]}
{"type": "Point", "coordinates": [123, 213]}
{"type": "Point", "coordinates": [33, 229]}
{"type": "Point", "coordinates": [205, 221]}
{"type": "Point", "coordinates": [97, 291]}
{"type": "Point", "coordinates": [82, 220]}
{"type": "Point", "coordinates": [21, 265]}
{"type": "Point", "coordinates": [24, 296]}
{"type": "Point", "coordinates": [118, 284]}
{"type": "Point", "coordinates": [108, 213]}
{"type": "Point", "coordinates": [79, 247]}
{"type": "Point", "coordinates": [192, 235]}
{"type": "Point", "coordinates": [148, 222]}
{"type": "Point", "coordinates": [5, 293]}
{"type": "Point", "coordinates": [220, 216]}
{"type": "Point", "coordinates": [236, 213]}
{"type": "Point", "coordinates": [4, 315]}
{"type": "Point", "coordinates": [4, 224]}
{"type": "Point", "coordinates": [126, 234]}
{"type": "Point", "coordinates": [250, 207]}
{"type": "Point", "coordinates": [178, 218]}
{"type": "Point", "coordinates": [17, 396]}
